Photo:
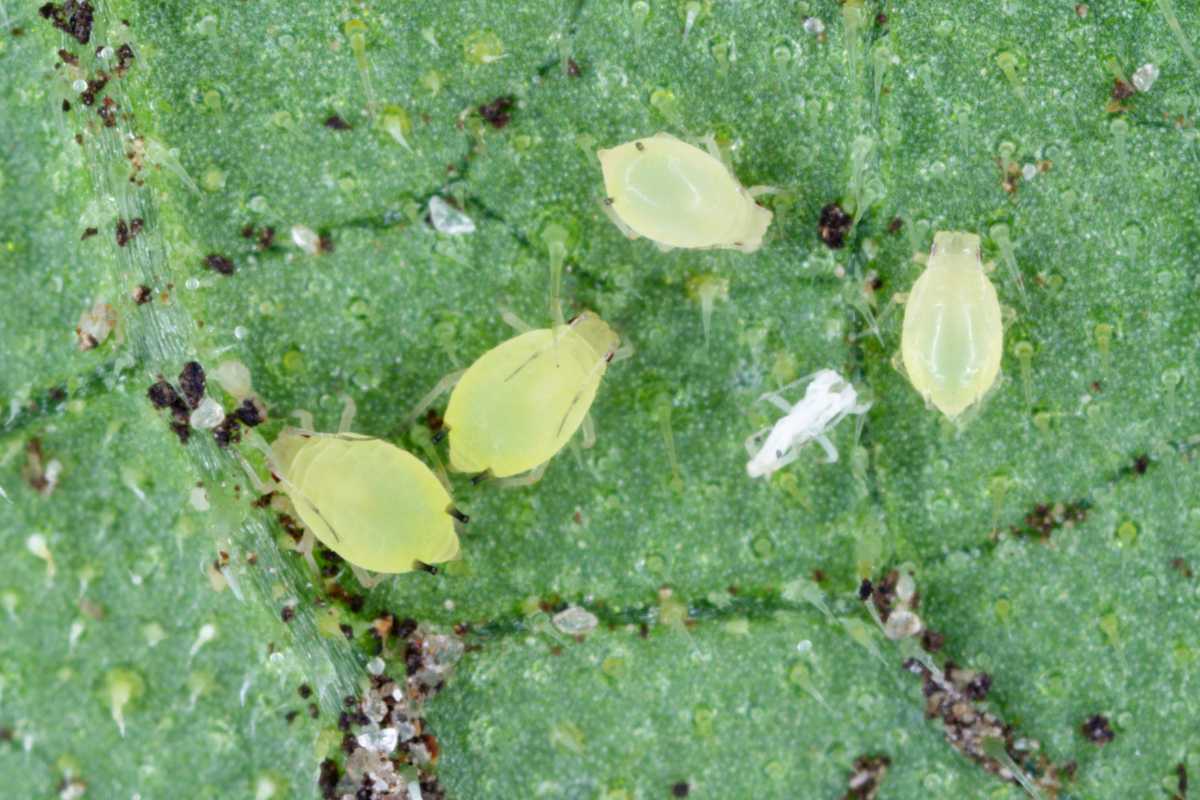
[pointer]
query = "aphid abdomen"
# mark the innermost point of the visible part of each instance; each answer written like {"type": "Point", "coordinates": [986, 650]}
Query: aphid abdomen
{"type": "Point", "coordinates": [680, 196]}
{"type": "Point", "coordinates": [521, 401]}
{"type": "Point", "coordinates": [952, 338]}
{"type": "Point", "coordinates": [374, 504]}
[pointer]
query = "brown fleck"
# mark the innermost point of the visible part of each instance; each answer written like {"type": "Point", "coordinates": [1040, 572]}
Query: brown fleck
{"type": "Point", "coordinates": [66, 106]}
{"type": "Point", "coordinates": [91, 608]}
{"type": "Point", "coordinates": [336, 123]}
{"type": "Point", "coordinates": [68, 57]}
{"type": "Point", "coordinates": [573, 70]}
{"type": "Point", "coordinates": [182, 430]}
{"type": "Point", "coordinates": [228, 432]}
{"type": "Point", "coordinates": [895, 225]}
{"type": "Point", "coordinates": [865, 780]}
{"type": "Point", "coordinates": [265, 237]}
{"type": "Point", "coordinates": [72, 17]}
{"type": "Point", "coordinates": [496, 113]}
{"type": "Point", "coordinates": [288, 613]}
{"type": "Point", "coordinates": [1182, 781]}
{"type": "Point", "coordinates": [124, 58]}
{"type": "Point", "coordinates": [1097, 730]}
{"type": "Point", "coordinates": [881, 19]}
{"type": "Point", "coordinates": [1182, 567]}
{"type": "Point", "coordinates": [305, 691]}
{"type": "Point", "coordinates": [250, 413]}
{"type": "Point", "coordinates": [1141, 464]}
{"type": "Point", "coordinates": [162, 394]}
{"type": "Point", "coordinates": [1081, 10]}
{"type": "Point", "coordinates": [328, 780]}
{"type": "Point", "coordinates": [932, 641]}
{"type": "Point", "coordinates": [833, 226]}
{"type": "Point", "coordinates": [324, 243]}
{"type": "Point", "coordinates": [34, 470]}
{"type": "Point", "coordinates": [1122, 90]}
{"type": "Point", "coordinates": [219, 263]}
{"type": "Point", "coordinates": [122, 232]}
{"type": "Point", "coordinates": [88, 233]}
{"type": "Point", "coordinates": [94, 87]}
{"type": "Point", "coordinates": [141, 294]}
{"type": "Point", "coordinates": [192, 383]}
{"type": "Point", "coordinates": [135, 226]}
{"type": "Point", "coordinates": [681, 789]}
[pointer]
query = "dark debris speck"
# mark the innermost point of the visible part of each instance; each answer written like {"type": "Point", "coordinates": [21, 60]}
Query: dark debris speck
{"type": "Point", "coordinates": [219, 263]}
{"type": "Point", "coordinates": [72, 17]}
{"type": "Point", "coordinates": [162, 394]}
{"type": "Point", "coordinates": [681, 789]}
{"type": "Point", "coordinates": [88, 233]}
{"type": "Point", "coordinates": [496, 113]}
{"type": "Point", "coordinates": [833, 226]}
{"type": "Point", "coordinates": [249, 414]}
{"type": "Point", "coordinates": [192, 383]}
{"type": "Point", "coordinates": [336, 123]}
{"type": "Point", "coordinates": [1097, 730]}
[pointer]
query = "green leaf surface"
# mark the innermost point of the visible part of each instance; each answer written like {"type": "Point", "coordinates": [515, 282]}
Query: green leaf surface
{"type": "Point", "coordinates": [220, 132]}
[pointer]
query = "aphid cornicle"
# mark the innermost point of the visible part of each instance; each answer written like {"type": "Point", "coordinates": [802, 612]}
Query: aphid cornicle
{"type": "Point", "coordinates": [952, 337]}
{"type": "Point", "coordinates": [520, 402]}
{"type": "Point", "coordinates": [678, 195]}
{"type": "Point", "coordinates": [375, 505]}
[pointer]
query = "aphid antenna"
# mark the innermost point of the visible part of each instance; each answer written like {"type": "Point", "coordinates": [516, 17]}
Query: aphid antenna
{"type": "Point", "coordinates": [293, 491]}
{"type": "Point", "coordinates": [778, 393]}
{"type": "Point", "coordinates": [440, 388]}
{"type": "Point", "coordinates": [458, 515]}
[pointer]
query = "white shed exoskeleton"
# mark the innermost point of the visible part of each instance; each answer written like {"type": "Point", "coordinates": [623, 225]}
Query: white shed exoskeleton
{"type": "Point", "coordinates": [828, 398]}
{"type": "Point", "coordinates": [678, 195]}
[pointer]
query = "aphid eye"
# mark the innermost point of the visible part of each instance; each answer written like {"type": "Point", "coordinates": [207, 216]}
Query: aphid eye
{"type": "Point", "coordinates": [639, 146]}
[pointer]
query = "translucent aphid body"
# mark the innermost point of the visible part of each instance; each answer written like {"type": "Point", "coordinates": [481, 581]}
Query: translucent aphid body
{"type": "Point", "coordinates": [521, 401]}
{"type": "Point", "coordinates": [828, 398]}
{"type": "Point", "coordinates": [375, 505]}
{"type": "Point", "coordinates": [952, 338]}
{"type": "Point", "coordinates": [678, 195]}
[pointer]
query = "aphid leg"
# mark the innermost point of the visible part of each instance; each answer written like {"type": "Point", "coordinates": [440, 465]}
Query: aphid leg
{"type": "Point", "coordinates": [528, 479]}
{"type": "Point", "coordinates": [305, 548]}
{"type": "Point", "coordinates": [826, 445]}
{"type": "Point", "coordinates": [589, 432]}
{"type": "Point", "coordinates": [759, 191]}
{"type": "Point", "coordinates": [306, 419]}
{"type": "Point", "coordinates": [513, 321]}
{"type": "Point", "coordinates": [481, 477]}
{"type": "Point", "coordinates": [369, 580]}
{"type": "Point", "coordinates": [606, 206]}
{"type": "Point", "coordinates": [710, 144]}
{"type": "Point", "coordinates": [442, 386]}
{"type": "Point", "coordinates": [458, 515]}
{"type": "Point", "coordinates": [623, 352]}
{"type": "Point", "coordinates": [778, 393]}
{"type": "Point", "coordinates": [349, 409]}
{"type": "Point", "coordinates": [427, 443]}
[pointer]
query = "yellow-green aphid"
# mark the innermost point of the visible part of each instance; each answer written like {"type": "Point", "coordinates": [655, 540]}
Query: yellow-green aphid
{"type": "Point", "coordinates": [952, 337]}
{"type": "Point", "coordinates": [521, 401]}
{"type": "Point", "coordinates": [678, 195]}
{"type": "Point", "coordinates": [373, 504]}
